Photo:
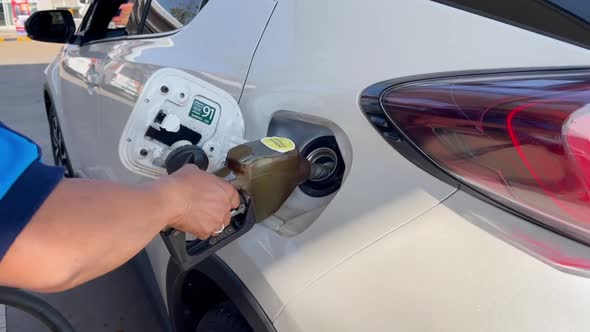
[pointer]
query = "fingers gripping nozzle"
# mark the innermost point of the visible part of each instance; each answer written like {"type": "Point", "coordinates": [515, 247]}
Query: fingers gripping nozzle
{"type": "Point", "coordinates": [265, 172]}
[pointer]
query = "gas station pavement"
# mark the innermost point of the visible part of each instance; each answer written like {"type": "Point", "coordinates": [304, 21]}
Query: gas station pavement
{"type": "Point", "coordinates": [116, 302]}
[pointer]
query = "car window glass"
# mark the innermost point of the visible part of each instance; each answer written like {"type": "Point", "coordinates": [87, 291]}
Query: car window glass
{"type": "Point", "coordinates": [126, 20]}
{"type": "Point", "coordinates": [581, 9]}
{"type": "Point", "coordinates": [87, 17]}
{"type": "Point", "coordinates": [566, 20]}
{"type": "Point", "coordinates": [168, 15]}
{"type": "Point", "coordinates": [117, 18]}
{"type": "Point", "coordinates": [111, 18]}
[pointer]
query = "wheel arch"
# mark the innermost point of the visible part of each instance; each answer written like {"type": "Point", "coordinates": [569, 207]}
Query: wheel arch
{"type": "Point", "coordinates": [52, 96]}
{"type": "Point", "coordinates": [218, 283]}
{"type": "Point", "coordinates": [47, 98]}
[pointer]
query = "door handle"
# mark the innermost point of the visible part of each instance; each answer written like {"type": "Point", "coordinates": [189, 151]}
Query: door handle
{"type": "Point", "coordinates": [92, 78]}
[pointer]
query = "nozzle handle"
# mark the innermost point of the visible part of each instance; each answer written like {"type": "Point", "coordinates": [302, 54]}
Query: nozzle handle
{"type": "Point", "coordinates": [187, 254]}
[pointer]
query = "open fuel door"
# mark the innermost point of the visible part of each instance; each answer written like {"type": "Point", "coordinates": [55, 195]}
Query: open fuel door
{"type": "Point", "coordinates": [181, 119]}
{"type": "Point", "coordinates": [177, 110]}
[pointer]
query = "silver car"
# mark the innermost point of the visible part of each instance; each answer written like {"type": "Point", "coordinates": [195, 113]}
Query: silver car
{"type": "Point", "coordinates": [458, 132]}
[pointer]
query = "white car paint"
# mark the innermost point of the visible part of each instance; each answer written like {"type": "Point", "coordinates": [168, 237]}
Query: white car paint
{"type": "Point", "coordinates": [442, 272]}
{"type": "Point", "coordinates": [324, 63]}
{"type": "Point", "coordinates": [393, 248]}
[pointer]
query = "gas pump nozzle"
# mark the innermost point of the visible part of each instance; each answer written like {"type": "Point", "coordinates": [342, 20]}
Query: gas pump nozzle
{"type": "Point", "coordinates": [265, 172]}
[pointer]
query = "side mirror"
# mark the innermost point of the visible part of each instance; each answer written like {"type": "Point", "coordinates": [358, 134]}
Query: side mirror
{"type": "Point", "coordinates": [51, 26]}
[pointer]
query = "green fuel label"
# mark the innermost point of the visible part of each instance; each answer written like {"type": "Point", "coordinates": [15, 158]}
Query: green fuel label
{"type": "Point", "coordinates": [202, 112]}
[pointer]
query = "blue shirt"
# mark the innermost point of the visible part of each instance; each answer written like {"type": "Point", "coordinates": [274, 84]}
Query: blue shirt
{"type": "Point", "coordinates": [25, 183]}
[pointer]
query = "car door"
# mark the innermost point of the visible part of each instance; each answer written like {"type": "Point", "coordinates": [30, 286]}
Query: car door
{"type": "Point", "coordinates": [79, 77]}
{"type": "Point", "coordinates": [81, 73]}
{"type": "Point", "coordinates": [195, 36]}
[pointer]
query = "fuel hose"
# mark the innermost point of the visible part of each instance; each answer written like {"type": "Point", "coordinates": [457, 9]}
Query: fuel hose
{"type": "Point", "coordinates": [36, 307]}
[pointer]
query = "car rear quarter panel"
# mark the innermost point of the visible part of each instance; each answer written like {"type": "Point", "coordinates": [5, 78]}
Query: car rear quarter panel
{"type": "Point", "coordinates": [445, 271]}
{"type": "Point", "coordinates": [315, 58]}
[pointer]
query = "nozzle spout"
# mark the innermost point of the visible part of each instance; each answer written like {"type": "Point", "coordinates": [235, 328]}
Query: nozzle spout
{"type": "Point", "coordinates": [318, 172]}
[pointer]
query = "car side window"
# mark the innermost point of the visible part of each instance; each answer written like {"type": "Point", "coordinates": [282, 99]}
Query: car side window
{"type": "Point", "coordinates": [168, 15]}
{"type": "Point", "coordinates": [87, 17]}
{"type": "Point", "coordinates": [125, 21]}
{"type": "Point", "coordinates": [580, 9]}
{"type": "Point", "coordinates": [119, 18]}
{"type": "Point", "coordinates": [110, 18]}
{"type": "Point", "coordinates": [566, 20]}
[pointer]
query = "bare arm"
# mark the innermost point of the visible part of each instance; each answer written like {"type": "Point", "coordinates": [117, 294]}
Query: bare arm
{"type": "Point", "coordinates": [87, 228]}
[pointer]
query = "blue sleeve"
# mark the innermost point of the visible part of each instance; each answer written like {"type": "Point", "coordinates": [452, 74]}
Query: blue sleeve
{"type": "Point", "coordinates": [25, 183]}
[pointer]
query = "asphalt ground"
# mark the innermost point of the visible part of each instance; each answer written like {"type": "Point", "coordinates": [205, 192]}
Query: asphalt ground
{"type": "Point", "coordinates": [116, 302]}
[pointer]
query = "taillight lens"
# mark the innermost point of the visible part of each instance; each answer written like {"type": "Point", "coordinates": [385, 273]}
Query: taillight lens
{"type": "Point", "coordinates": [521, 139]}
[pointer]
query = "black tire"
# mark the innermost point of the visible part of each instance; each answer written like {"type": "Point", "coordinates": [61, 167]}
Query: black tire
{"type": "Point", "coordinates": [58, 146]}
{"type": "Point", "coordinates": [223, 318]}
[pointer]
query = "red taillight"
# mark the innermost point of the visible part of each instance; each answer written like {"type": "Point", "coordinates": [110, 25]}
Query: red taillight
{"type": "Point", "coordinates": [523, 140]}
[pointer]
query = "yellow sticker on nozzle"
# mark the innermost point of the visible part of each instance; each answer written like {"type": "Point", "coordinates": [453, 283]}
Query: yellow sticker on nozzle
{"type": "Point", "coordinates": [279, 144]}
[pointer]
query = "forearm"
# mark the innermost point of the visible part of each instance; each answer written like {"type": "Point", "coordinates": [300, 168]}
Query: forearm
{"type": "Point", "coordinates": [84, 229]}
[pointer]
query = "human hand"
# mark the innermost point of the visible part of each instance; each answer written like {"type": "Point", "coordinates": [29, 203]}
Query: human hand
{"type": "Point", "coordinates": [201, 202]}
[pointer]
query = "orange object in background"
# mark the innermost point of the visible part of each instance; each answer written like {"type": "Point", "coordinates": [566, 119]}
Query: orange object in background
{"type": "Point", "coordinates": [120, 21]}
{"type": "Point", "coordinates": [21, 10]}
